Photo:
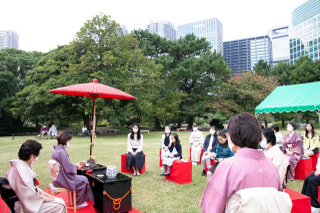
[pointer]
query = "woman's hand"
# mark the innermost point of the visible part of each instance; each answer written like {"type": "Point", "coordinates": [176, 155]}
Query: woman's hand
{"type": "Point", "coordinates": [316, 173]}
{"type": "Point", "coordinates": [289, 152]}
{"type": "Point", "coordinates": [214, 155]}
{"type": "Point", "coordinates": [171, 156]}
{"type": "Point", "coordinates": [47, 197]}
{"type": "Point", "coordinates": [133, 153]}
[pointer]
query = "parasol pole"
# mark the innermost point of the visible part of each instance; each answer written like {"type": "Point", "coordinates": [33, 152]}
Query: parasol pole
{"type": "Point", "coordinates": [93, 127]}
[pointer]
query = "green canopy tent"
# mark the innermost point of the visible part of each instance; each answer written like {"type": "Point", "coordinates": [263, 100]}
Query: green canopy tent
{"type": "Point", "coordinates": [292, 98]}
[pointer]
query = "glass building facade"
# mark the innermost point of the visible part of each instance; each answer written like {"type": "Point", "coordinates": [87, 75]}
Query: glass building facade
{"type": "Point", "coordinates": [242, 55]}
{"type": "Point", "coordinates": [211, 29]}
{"type": "Point", "coordinates": [8, 39]}
{"type": "Point", "coordinates": [305, 31]}
{"type": "Point", "coordinates": [162, 28]}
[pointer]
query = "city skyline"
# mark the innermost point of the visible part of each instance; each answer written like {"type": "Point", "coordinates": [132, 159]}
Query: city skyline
{"type": "Point", "coordinates": [43, 26]}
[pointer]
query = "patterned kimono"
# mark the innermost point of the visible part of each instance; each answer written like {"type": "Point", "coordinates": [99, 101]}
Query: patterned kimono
{"type": "Point", "coordinates": [68, 177]}
{"type": "Point", "coordinates": [294, 143]}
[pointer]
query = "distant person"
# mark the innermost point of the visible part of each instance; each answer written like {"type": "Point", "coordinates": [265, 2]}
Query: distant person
{"type": "Point", "coordinates": [293, 149]}
{"type": "Point", "coordinates": [67, 176]}
{"type": "Point", "coordinates": [85, 131]}
{"type": "Point", "coordinates": [165, 141]}
{"type": "Point", "coordinates": [135, 156]}
{"type": "Point", "coordinates": [196, 142]}
{"type": "Point", "coordinates": [248, 168]}
{"type": "Point", "coordinates": [221, 153]}
{"type": "Point", "coordinates": [43, 130]}
{"type": "Point", "coordinates": [310, 141]}
{"type": "Point", "coordinates": [209, 147]}
{"type": "Point", "coordinates": [279, 137]}
{"type": "Point", "coordinates": [53, 131]}
{"type": "Point", "coordinates": [175, 153]}
{"type": "Point", "coordinates": [273, 152]}
{"type": "Point", "coordinates": [22, 179]}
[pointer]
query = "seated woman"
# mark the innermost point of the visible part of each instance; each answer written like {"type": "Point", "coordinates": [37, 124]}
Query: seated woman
{"type": "Point", "coordinates": [273, 152]}
{"type": "Point", "coordinates": [310, 188]}
{"type": "Point", "coordinates": [310, 141]}
{"type": "Point", "coordinates": [248, 168]}
{"type": "Point", "coordinates": [22, 180]}
{"type": "Point", "coordinates": [222, 151]}
{"type": "Point", "coordinates": [165, 141]}
{"type": "Point", "coordinates": [209, 147]}
{"type": "Point", "coordinates": [279, 137]}
{"type": "Point", "coordinates": [67, 176]}
{"type": "Point", "coordinates": [196, 141]}
{"type": "Point", "coordinates": [293, 149]}
{"type": "Point", "coordinates": [175, 153]}
{"type": "Point", "coordinates": [135, 156]}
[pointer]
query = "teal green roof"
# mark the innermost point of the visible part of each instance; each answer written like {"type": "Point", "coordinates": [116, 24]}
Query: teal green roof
{"type": "Point", "coordinates": [292, 98]}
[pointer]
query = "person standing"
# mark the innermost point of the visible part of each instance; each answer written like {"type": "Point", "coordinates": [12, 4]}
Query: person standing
{"type": "Point", "coordinates": [293, 149]}
{"type": "Point", "coordinates": [135, 156]}
{"type": "Point", "coordinates": [196, 142]}
{"type": "Point", "coordinates": [209, 147]}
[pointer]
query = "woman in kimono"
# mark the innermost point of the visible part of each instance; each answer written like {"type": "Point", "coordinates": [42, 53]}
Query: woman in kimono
{"type": "Point", "coordinates": [175, 153]}
{"type": "Point", "coordinates": [165, 141]}
{"type": "Point", "coordinates": [293, 149]}
{"type": "Point", "coordinates": [196, 142]}
{"type": "Point", "coordinates": [22, 180]}
{"type": "Point", "coordinates": [67, 176]}
{"type": "Point", "coordinates": [248, 168]}
{"type": "Point", "coordinates": [135, 156]}
{"type": "Point", "coordinates": [310, 141]}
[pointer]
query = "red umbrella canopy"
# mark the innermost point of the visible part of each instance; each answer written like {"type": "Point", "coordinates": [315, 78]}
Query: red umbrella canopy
{"type": "Point", "coordinates": [93, 90]}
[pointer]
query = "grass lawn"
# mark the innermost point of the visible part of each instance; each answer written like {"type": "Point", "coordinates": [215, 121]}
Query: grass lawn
{"type": "Point", "coordinates": [151, 192]}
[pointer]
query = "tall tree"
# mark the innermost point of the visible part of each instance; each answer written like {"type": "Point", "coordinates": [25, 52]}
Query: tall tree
{"type": "Point", "coordinates": [262, 68]}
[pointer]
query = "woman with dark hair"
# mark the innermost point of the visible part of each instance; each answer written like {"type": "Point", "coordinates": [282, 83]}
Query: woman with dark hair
{"type": "Point", "coordinates": [22, 180]}
{"type": "Point", "coordinates": [67, 176]}
{"type": "Point", "coordinates": [209, 147]}
{"type": "Point", "coordinates": [246, 169]}
{"type": "Point", "coordinates": [222, 151]}
{"type": "Point", "coordinates": [293, 149]}
{"type": "Point", "coordinates": [273, 152]}
{"type": "Point", "coordinates": [175, 153]}
{"type": "Point", "coordinates": [277, 133]}
{"type": "Point", "coordinates": [135, 156]}
{"type": "Point", "coordinates": [165, 141]}
{"type": "Point", "coordinates": [310, 141]}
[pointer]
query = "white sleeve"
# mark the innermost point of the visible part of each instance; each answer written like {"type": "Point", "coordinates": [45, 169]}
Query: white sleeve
{"type": "Point", "coordinates": [141, 144]}
{"type": "Point", "coordinates": [129, 147]}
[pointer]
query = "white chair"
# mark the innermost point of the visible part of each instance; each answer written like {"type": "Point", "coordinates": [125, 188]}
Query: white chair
{"type": "Point", "coordinates": [259, 200]}
{"type": "Point", "coordinates": [55, 168]}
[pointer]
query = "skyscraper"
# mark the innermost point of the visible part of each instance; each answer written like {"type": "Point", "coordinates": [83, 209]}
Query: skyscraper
{"type": "Point", "coordinates": [124, 29]}
{"type": "Point", "coordinates": [8, 39]}
{"type": "Point", "coordinates": [162, 28]}
{"type": "Point", "coordinates": [241, 55]}
{"type": "Point", "coordinates": [211, 29]}
{"type": "Point", "coordinates": [280, 44]}
{"type": "Point", "coordinates": [305, 31]}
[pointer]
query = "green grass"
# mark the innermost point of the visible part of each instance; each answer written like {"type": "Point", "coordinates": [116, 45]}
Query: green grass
{"type": "Point", "coordinates": [151, 192]}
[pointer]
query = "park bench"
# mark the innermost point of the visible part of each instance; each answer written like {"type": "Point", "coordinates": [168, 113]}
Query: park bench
{"type": "Point", "coordinates": [182, 128]}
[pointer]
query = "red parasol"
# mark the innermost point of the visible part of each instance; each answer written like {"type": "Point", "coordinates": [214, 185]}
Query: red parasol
{"type": "Point", "coordinates": [93, 90]}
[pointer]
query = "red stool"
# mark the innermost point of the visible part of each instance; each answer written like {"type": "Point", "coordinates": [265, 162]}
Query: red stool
{"type": "Point", "coordinates": [180, 172]}
{"type": "Point", "coordinates": [314, 161]}
{"type": "Point", "coordinates": [200, 155]}
{"type": "Point", "coordinates": [160, 161]}
{"type": "Point", "coordinates": [303, 169]}
{"type": "Point", "coordinates": [300, 202]}
{"type": "Point", "coordinates": [123, 165]}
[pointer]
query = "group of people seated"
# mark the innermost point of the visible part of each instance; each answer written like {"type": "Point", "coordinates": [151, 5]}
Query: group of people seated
{"type": "Point", "coordinates": [52, 131]}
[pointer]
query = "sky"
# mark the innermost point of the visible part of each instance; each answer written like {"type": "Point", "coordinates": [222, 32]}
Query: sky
{"type": "Point", "coordinates": [43, 25]}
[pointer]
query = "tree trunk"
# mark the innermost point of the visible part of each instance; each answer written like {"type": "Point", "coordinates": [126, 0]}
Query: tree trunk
{"type": "Point", "coordinates": [265, 123]}
{"type": "Point", "coordinates": [179, 123]}
{"type": "Point", "coordinates": [282, 123]}
{"type": "Point", "coordinates": [190, 121]}
{"type": "Point", "coordinates": [157, 124]}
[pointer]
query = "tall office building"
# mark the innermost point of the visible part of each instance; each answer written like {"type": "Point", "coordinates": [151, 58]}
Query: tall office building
{"type": "Point", "coordinates": [280, 44]}
{"type": "Point", "coordinates": [162, 28]}
{"type": "Point", "coordinates": [211, 29]}
{"type": "Point", "coordinates": [305, 31]}
{"type": "Point", "coordinates": [8, 39]}
{"type": "Point", "coordinates": [242, 55]}
{"type": "Point", "coordinates": [124, 29]}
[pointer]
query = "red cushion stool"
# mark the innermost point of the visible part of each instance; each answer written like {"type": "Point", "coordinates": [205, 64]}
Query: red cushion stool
{"type": "Point", "coordinates": [303, 169]}
{"type": "Point", "coordinates": [200, 155]}
{"type": "Point", "coordinates": [123, 165]}
{"type": "Point", "coordinates": [300, 203]}
{"type": "Point", "coordinates": [160, 161]}
{"type": "Point", "coordinates": [314, 161]}
{"type": "Point", "coordinates": [180, 172]}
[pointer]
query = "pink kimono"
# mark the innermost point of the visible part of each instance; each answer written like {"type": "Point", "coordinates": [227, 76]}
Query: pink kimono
{"type": "Point", "coordinates": [246, 169]}
{"type": "Point", "coordinates": [296, 145]}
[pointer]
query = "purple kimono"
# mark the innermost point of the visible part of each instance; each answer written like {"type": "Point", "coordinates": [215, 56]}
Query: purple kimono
{"type": "Point", "coordinates": [246, 169]}
{"type": "Point", "coordinates": [68, 177]}
{"type": "Point", "coordinates": [295, 144]}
